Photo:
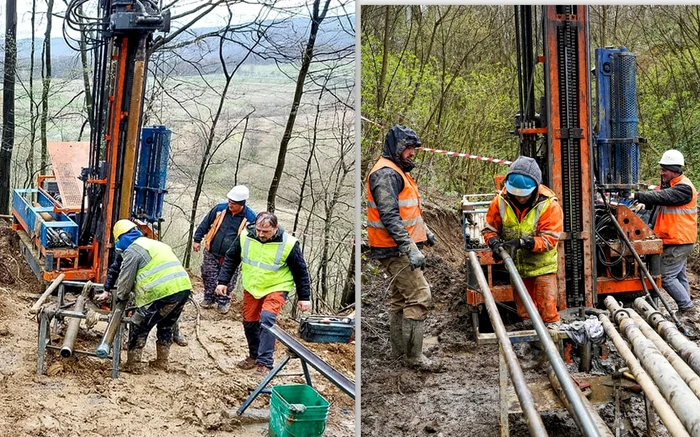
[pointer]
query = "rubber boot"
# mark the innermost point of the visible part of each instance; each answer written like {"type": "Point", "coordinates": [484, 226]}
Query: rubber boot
{"type": "Point", "coordinates": [162, 354]}
{"type": "Point", "coordinates": [398, 345]}
{"type": "Point", "coordinates": [133, 361]}
{"type": "Point", "coordinates": [413, 331]}
{"type": "Point", "coordinates": [178, 338]}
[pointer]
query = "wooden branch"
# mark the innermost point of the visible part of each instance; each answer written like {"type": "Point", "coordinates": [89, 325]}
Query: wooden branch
{"type": "Point", "coordinates": [56, 282]}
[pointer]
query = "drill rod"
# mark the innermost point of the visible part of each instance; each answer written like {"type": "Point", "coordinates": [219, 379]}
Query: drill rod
{"type": "Point", "coordinates": [532, 416]}
{"type": "Point", "coordinates": [581, 414]}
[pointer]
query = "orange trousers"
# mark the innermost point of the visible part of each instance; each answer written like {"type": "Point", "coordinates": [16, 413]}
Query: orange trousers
{"type": "Point", "coordinates": [543, 290]}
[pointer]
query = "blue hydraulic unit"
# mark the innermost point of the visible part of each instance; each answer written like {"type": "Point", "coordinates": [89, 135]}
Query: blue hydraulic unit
{"type": "Point", "coordinates": [618, 139]}
{"type": "Point", "coordinates": [151, 174]}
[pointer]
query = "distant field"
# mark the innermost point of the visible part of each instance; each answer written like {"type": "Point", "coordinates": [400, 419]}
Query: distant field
{"type": "Point", "coordinates": [187, 107]}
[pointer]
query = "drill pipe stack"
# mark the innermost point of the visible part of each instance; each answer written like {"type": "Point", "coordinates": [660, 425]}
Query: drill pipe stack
{"type": "Point", "coordinates": [688, 350]}
{"type": "Point", "coordinates": [674, 389]}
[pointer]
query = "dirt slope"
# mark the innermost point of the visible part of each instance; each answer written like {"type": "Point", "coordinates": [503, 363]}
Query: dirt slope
{"type": "Point", "coordinates": [464, 400]}
{"type": "Point", "coordinates": [81, 398]}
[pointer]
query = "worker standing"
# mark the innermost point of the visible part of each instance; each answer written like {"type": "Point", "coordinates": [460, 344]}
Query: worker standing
{"type": "Point", "coordinates": [272, 264]}
{"type": "Point", "coordinates": [219, 229]}
{"type": "Point", "coordinates": [160, 286]}
{"type": "Point", "coordinates": [525, 218]}
{"type": "Point", "coordinates": [676, 225]}
{"type": "Point", "coordinates": [396, 233]}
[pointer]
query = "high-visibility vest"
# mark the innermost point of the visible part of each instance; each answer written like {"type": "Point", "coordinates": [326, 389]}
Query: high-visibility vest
{"type": "Point", "coordinates": [162, 276]}
{"type": "Point", "coordinates": [678, 224]}
{"type": "Point", "coordinates": [529, 264]}
{"type": "Point", "coordinates": [409, 209]}
{"type": "Point", "coordinates": [264, 267]}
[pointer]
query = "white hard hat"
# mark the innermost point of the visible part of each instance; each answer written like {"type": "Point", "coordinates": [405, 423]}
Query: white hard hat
{"type": "Point", "coordinates": [239, 193]}
{"type": "Point", "coordinates": [672, 157]}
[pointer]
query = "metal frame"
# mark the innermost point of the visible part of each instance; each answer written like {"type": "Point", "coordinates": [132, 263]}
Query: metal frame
{"type": "Point", "coordinates": [56, 314]}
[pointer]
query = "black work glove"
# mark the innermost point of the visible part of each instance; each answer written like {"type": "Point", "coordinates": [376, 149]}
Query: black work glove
{"type": "Point", "coordinates": [528, 243]}
{"type": "Point", "coordinates": [416, 257]}
{"type": "Point", "coordinates": [431, 237]}
{"type": "Point", "coordinates": [495, 245]}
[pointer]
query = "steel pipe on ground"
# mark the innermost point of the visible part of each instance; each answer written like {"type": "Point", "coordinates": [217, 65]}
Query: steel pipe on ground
{"type": "Point", "coordinates": [671, 385]}
{"type": "Point", "coordinates": [685, 372]}
{"type": "Point", "coordinates": [663, 409]}
{"type": "Point", "coordinates": [581, 414]}
{"type": "Point", "coordinates": [687, 349]}
{"type": "Point", "coordinates": [527, 403]}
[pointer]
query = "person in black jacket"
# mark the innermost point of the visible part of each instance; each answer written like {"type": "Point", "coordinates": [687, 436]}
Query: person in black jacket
{"type": "Point", "coordinates": [217, 231]}
{"type": "Point", "coordinates": [272, 264]}
{"type": "Point", "coordinates": [676, 224]}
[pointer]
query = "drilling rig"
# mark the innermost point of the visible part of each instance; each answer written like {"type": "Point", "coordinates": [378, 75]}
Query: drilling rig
{"type": "Point", "coordinates": [606, 248]}
{"type": "Point", "coordinates": [65, 222]}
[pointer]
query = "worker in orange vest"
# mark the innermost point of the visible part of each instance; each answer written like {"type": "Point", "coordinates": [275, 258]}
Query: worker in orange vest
{"type": "Point", "coordinates": [396, 233]}
{"type": "Point", "coordinates": [676, 225]}
{"type": "Point", "coordinates": [217, 231]}
{"type": "Point", "coordinates": [525, 218]}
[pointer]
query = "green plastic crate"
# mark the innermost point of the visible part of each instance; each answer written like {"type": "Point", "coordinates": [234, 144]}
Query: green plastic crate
{"type": "Point", "coordinates": [297, 410]}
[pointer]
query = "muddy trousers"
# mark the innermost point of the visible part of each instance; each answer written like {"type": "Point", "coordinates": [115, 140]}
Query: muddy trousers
{"type": "Point", "coordinates": [543, 291]}
{"type": "Point", "coordinates": [211, 265]}
{"type": "Point", "coordinates": [674, 279]}
{"type": "Point", "coordinates": [162, 313]}
{"type": "Point", "coordinates": [258, 312]}
{"type": "Point", "coordinates": [410, 292]}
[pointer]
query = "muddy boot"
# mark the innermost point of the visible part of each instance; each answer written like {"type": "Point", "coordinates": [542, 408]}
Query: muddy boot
{"type": "Point", "coordinates": [178, 338]}
{"type": "Point", "coordinates": [398, 345]}
{"type": "Point", "coordinates": [133, 361]}
{"type": "Point", "coordinates": [162, 353]}
{"type": "Point", "coordinates": [413, 331]}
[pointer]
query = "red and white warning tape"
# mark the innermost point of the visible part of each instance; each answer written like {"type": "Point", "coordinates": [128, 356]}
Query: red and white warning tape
{"type": "Point", "coordinates": [466, 155]}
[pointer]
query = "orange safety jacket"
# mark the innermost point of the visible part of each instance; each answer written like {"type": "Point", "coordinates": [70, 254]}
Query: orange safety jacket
{"type": "Point", "coordinates": [209, 237]}
{"type": "Point", "coordinates": [678, 224]}
{"type": "Point", "coordinates": [409, 209]}
{"type": "Point", "coordinates": [549, 225]}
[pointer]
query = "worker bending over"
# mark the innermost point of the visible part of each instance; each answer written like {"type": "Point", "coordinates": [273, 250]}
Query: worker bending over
{"type": "Point", "coordinates": [526, 219]}
{"type": "Point", "coordinates": [160, 286]}
{"type": "Point", "coordinates": [676, 225]}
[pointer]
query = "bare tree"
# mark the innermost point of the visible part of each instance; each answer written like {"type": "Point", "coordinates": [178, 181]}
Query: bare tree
{"type": "Point", "coordinates": [8, 103]}
{"type": "Point", "coordinates": [317, 17]}
{"type": "Point", "coordinates": [46, 81]}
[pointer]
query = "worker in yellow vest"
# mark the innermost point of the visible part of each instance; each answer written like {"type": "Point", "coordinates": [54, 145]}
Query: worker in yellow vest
{"type": "Point", "coordinates": [676, 225]}
{"type": "Point", "coordinates": [525, 217]}
{"type": "Point", "coordinates": [272, 264]}
{"type": "Point", "coordinates": [160, 286]}
{"type": "Point", "coordinates": [217, 231]}
{"type": "Point", "coordinates": [396, 233]}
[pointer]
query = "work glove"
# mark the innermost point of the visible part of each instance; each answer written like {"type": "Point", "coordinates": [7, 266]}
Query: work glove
{"type": "Point", "coordinates": [528, 243]}
{"type": "Point", "coordinates": [431, 237]}
{"type": "Point", "coordinates": [415, 257]}
{"type": "Point", "coordinates": [495, 244]}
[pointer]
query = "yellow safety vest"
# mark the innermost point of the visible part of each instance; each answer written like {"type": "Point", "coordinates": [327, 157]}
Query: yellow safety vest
{"type": "Point", "coordinates": [529, 264]}
{"type": "Point", "coordinates": [162, 276]}
{"type": "Point", "coordinates": [264, 267]}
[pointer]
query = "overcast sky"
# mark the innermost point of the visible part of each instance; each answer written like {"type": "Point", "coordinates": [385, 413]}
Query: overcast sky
{"type": "Point", "coordinates": [243, 12]}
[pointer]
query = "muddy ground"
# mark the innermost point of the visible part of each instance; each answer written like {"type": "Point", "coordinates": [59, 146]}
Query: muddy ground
{"type": "Point", "coordinates": [463, 400]}
{"type": "Point", "coordinates": [194, 398]}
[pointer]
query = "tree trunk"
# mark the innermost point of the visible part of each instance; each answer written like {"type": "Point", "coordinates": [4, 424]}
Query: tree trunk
{"type": "Point", "coordinates": [316, 19]}
{"type": "Point", "coordinates": [46, 76]}
{"type": "Point", "coordinates": [8, 104]}
{"type": "Point", "coordinates": [29, 163]}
